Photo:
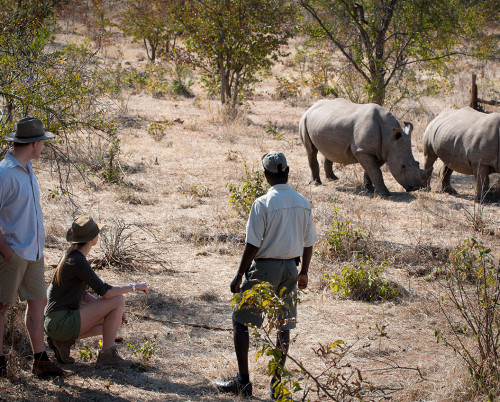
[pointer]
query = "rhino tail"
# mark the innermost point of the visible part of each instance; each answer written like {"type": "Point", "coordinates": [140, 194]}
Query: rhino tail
{"type": "Point", "coordinates": [304, 136]}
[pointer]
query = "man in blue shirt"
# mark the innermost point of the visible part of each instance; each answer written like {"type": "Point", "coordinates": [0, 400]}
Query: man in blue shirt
{"type": "Point", "coordinates": [22, 239]}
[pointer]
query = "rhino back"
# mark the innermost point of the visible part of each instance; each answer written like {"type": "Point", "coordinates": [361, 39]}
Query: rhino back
{"type": "Point", "coordinates": [339, 128]}
{"type": "Point", "coordinates": [462, 137]}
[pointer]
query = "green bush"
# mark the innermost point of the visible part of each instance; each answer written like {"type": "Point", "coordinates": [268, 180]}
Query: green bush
{"type": "Point", "coordinates": [343, 241]}
{"type": "Point", "coordinates": [157, 129]}
{"type": "Point", "coordinates": [471, 281]}
{"type": "Point", "coordinates": [363, 281]}
{"type": "Point", "coordinates": [244, 194]}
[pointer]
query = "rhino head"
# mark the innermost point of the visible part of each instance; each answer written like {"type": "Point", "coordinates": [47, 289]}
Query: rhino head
{"type": "Point", "coordinates": [403, 166]}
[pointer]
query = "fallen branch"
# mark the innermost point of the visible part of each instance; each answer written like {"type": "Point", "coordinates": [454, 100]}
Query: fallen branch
{"type": "Point", "coordinates": [147, 317]}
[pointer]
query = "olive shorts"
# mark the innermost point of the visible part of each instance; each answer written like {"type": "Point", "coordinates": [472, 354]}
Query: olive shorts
{"type": "Point", "coordinates": [63, 325]}
{"type": "Point", "coordinates": [281, 274]}
{"type": "Point", "coordinates": [21, 277]}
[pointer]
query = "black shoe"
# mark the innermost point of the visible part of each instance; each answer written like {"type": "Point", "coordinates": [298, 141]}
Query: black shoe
{"type": "Point", "coordinates": [234, 386]}
{"type": "Point", "coordinates": [3, 366]}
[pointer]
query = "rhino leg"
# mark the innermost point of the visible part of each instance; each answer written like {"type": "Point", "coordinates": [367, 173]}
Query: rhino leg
{"type": "Point", "coordinates": [481, 173]}
{"type": "Point", "coordinates": [367, 183]}
{"type": "Point", "coordinates": [430, 158]}
{"type": "Point", "coordinates": [312, 155]}
{"type": "Point", "coordinates": [372, 170]}
{"type": "Point", "coordinates": [328, 166]}
{"type": "Point", "coordinates": [445, 175]}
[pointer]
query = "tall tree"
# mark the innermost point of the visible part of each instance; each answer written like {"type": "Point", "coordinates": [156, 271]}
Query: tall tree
{"type": "Point", "coordinates": [236, 39]}
{"type": "Point", "coordinates": [153, 22]}
{"type": "Point", "coordinates": [382, 38]}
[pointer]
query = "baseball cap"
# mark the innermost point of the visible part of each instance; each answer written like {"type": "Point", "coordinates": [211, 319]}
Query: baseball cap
{"type": "Point", "coordinates": [274, 162]}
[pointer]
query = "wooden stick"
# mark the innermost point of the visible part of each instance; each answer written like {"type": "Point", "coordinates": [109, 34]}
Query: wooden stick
{"type": "Point", "coordinates": [147, 317]}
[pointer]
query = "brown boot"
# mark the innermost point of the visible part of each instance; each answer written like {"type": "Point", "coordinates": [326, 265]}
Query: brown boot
{"type": "Point", "coordinates": [110, 358]}
{"type": "Point", "coordinates": [61, 350]}
{"type": "Point", "coordinates": [45, 368]}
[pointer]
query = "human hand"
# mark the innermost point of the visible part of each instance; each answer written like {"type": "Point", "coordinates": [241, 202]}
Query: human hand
{"type": "Point", "coordinates": [124, 318]}
{"type": "Point", "coordinates": [143, 287]}
{"type": "Point", "coordinates": [235, 284]}
{"type": "Point", "coordinates": [8, 253]}
{"type": "Point", "coordinates": [302, 281]}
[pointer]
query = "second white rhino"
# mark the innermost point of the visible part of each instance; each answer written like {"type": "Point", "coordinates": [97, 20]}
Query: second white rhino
{"type": "Point", "coordinates": [467, 141]}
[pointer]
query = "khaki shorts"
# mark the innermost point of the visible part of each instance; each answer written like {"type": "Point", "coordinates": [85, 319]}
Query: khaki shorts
{"type": "Point", "coordinates": [281, 274]}
{"type": "Point", "coordinates": [63, 325]}
{"type": "Point", "coordinates": [23, 278]}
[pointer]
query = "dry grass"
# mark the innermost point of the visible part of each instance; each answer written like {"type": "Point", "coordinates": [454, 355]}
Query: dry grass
{"type": "Point", "coordinates": [412, 231]}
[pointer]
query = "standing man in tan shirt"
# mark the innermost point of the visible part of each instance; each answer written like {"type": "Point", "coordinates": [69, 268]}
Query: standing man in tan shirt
{"type": "Point", "coordinates": [279, 231]}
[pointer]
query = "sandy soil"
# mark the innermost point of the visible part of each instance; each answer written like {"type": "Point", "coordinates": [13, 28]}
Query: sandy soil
{"type": "Point", "coordinates": [177, 187]}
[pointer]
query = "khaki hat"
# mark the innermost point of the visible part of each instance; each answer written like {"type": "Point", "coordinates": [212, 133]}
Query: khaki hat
{"type": "Point", "coordinates": [29, 129]}
{"type": "Point", "coordinates": [83, 230]}
{"type": "Point", "coordinates": [274, 162]}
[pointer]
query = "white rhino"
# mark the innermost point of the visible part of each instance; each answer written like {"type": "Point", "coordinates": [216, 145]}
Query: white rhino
{"type": "Point", "coordinates": [467, 141]}
{"type": "Point", "coordinates": [345, 133]}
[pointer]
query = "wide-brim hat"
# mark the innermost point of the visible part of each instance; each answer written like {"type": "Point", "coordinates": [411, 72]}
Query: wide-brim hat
{"type": "Point", "coordinates": [83, 230]}
{"type": "Point", "coordinates": [29, 129]}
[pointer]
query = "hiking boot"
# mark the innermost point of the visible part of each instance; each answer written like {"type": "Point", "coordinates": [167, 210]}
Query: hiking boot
{"type": "Point", "coordinates": [61, 350]}
{"type": "Point", "coordinates": [45, 368]}
{"type": "Point", "coordinates": [110, 358]}
{"type": "Point", "coordinates": [234, 386]}
{"type": "Point", "coordinates": [3, 366]}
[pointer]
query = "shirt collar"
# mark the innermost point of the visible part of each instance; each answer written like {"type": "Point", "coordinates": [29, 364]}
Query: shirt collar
{"type": "Point", "coordinates": [11, 162]}
{"type": "Point", "coordinates": [284, 186]}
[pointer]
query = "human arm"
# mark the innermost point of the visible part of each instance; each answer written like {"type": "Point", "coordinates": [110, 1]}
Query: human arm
{"type": "Point", "coordinates": [88, 297]}
{"type": "Point", "coordinates": [248, 255]}
{"type": "Point", "coordinates": [302, 279]}
{"type": "Point", "coordinates": [5, 249]}
{"type": "Point", "coordinates": [119, 290]}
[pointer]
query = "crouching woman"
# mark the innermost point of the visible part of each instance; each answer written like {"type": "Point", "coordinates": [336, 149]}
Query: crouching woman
{"type": "Point", "coordinates": [73, 313]}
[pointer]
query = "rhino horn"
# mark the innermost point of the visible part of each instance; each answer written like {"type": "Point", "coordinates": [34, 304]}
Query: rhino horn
{"type": "Point", "coordinates": [408, 128]}
{"type": "Point", "coordinates": [426, 174]}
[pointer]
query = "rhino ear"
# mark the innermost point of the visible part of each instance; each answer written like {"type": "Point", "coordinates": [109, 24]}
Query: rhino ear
{"type": "Point", "coordinates": [408, 128]}
{"type": "Point", "coordinates": [396, 134]}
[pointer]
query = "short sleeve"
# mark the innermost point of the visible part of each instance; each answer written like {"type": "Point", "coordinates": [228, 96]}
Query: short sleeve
{"type": "Point", "coordinates": [310, 234]}
{"type": "Point", "coordinates": [256, 225]}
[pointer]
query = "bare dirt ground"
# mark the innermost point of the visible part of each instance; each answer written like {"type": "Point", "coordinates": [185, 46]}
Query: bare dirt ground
{"type": "Point", "coordinates": [177, 187]}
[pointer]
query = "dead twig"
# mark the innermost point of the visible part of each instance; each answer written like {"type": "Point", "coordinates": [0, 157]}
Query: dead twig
{"type": "Point", "coordinates": [189, 324]}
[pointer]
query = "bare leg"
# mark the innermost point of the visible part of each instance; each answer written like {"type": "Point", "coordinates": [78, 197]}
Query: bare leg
{"type": "Point", "coordinates": [34, 324]}
{"type": "Point", "coordinates": [283, 342]}
{"type": "Point", "coordinates": [94, 331]}
{"type": "Point", "coordinates": [328, 166]}
{"type": "Point", "coordinates": [241, 345]}
{"type": "Point", "coordinates": [3, 312]}
{"type": "Point", "coordinates": [107, 311]}
{"type": "Point", "coordinates": [445, 175]}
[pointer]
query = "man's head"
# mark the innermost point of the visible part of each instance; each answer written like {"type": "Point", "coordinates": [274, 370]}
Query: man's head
{"type": "Point", "coordinates": [29, 136]}
{"type": "Point", "coordinates": [28, 130]}
{"type": "Point", "coordinates": [275, 167]}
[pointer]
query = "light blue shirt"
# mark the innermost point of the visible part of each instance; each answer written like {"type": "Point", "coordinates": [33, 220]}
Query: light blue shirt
{"type": "Point", "coordinates": [21, 219]}
{"type": "Point", "coordinates": [281, 224]}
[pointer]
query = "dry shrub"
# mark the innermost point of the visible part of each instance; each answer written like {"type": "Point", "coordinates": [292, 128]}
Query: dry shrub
{"type": "Point", "coordinates": [130, 247]}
